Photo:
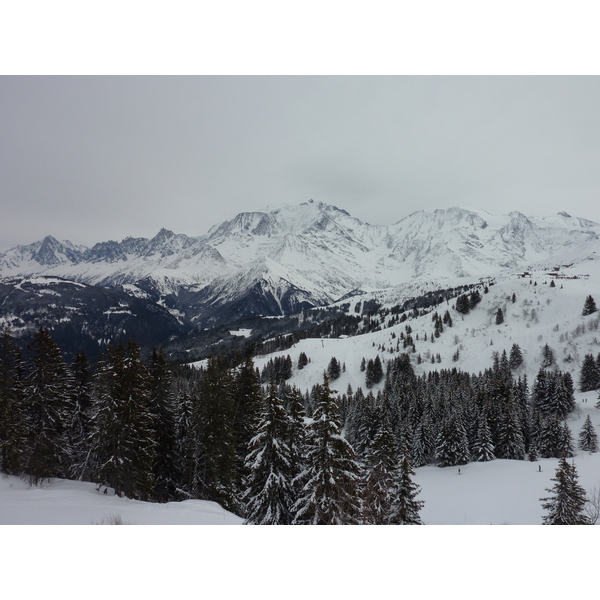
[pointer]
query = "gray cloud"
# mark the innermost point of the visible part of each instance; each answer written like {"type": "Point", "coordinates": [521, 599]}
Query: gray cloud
{"type": "Point", "coordinates": [92, 158]}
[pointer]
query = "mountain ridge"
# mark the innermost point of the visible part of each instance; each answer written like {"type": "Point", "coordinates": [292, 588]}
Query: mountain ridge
{"type": "Point", "coordinates": [310, 254]}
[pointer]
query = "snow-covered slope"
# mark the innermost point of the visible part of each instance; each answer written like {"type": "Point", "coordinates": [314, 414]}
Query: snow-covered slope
{"type": "Point", "coordinates": [313, 253]}
{"type": "Point", "coordinates": [540, 315]}
{"type": "Point", "coordinates": [63, 502]}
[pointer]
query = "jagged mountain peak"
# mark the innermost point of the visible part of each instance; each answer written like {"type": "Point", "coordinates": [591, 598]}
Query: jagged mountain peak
{"type": "Point", "coordinates": [312, 251]}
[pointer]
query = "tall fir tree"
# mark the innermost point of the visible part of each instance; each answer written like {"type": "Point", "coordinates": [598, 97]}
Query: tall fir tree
{"type": "Point", "coordinates": [217, 469]}
{"type": "Point", "coordinates": [499, 317]}
{"type": "Point", "coordinates": [588, 439]}
{"type": "Point", "coordinates": [248, 404]}
{"type": "Point", "coordinates": [483, 448]}
{"type": "Point", "coordinates": [13, 431]}
{"type": "Point", "coordinates": [566, 506]}
{"type": "Point", "coordinates": [269, 493]}
{"type": "Point", "coordinates": [510, 437]}
{"type": "Point", "coordinates": [329, 494]}
{"type": "Point", "coordinates": [123, 438]}
{"type": "Point", "coordinates": [589, 376]}
{"type": "Point", "coordinates": [589, 306]}
{"type": "Point", "coordinates": [405, 507]}
{"type": "Point", "coordinates": [547, 356]}
{"type": "Point", "coordinates": [165, 468]}
{"type": "Point", "coordinates": [296, 436]}
{"type": "Point", "coordinates": [516, 357]}
{"type": "Point", "coordinates": [49, 408]}
{"type": "Point", "coordinates": [381, 473]}
{"type": "Point", "coordinates": [551, 440]}
{"type": "Point", "coordinates": [80, 429]}
{"type": "Point", "coordinates": [452, 444]}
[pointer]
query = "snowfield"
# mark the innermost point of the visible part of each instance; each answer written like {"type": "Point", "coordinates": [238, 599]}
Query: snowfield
{"type": "Point", "coordinates": [63, 502]}
{"type": "Point", "coordinates": [504, 492]}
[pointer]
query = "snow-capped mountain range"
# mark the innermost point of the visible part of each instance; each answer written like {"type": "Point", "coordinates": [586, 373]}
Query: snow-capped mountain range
{"type": "Point", "coordinates": [309, 254]}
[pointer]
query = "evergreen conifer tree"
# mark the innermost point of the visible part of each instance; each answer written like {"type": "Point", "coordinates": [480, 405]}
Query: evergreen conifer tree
{"type": "Point", "coordinates": [162, 408]}
{"type": "Point", "coordinates": [330, 481]}
{"type": "Point", "coordinates": [589, 306]}
{"type": "Point", "coordinates": [499, 317]}
{"type": "Point", "coordinates": [302, 360]}
{"type": "Point", "coordinates": [123, 437]}
{"type": "Point", "coordinates": [462, 304]}
{"type": "Point", "coordinates": [547, 356]}
{"type": "Point", "coordinates": [80, 429]}
{"type": "Point", "coordinates": [516, 357]}
{"type": "Point", "coordinates": [216, 471]}
{"type": "Point", "coordinates": [562, 400]}
{"type": "Point", "coordinates": [333, 369]}
{"type": "Point", "coordinates": [381, 479]}
{"type": "Point", "coordinates": [248, 406]}
{"type": "Point", "coordinates": [566, 506]}
{"type": "Point", "coordinates": [483, 448]}
{"type": "Point", "coordinates": [49, 410]}
{"type": "Point", "coordinates": [269, 494]}
{"type": "Point", "coordinates": [405, 508]}
{"type": "Point", "coordinates": [13, 432]}
{"type": "Point", "coordinates": [510, 438]}
{"type": "Point", "coordinates": [551, 438]}
{"type": "Point", "coordinates": [589, 377]}
{"type": "Point", "coordinates": [452, 445]}
{"type": "Point", "coordinates": [588, 439]}
{"type": "Point", "coordinates": [296, 435]}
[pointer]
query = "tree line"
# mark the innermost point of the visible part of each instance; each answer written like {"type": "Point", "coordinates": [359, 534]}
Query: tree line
{"type": "Point", "coordinates": [158, 432]}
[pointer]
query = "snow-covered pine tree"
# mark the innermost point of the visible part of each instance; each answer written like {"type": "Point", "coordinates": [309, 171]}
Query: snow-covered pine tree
{"type": "Point", "coordinates": [589, 306]}
{"type": "Point", "coordinates": [364, 424]}
{"type": "Point", "coordinates": [452, 445]}
{"type": "Point", "coordinates": [516, 357]}
{"type": "Point", "coordinates": [248, 406]}
{"type": "Point", "coordinates": [483, 448]}
{"type": "Point", "coordinates": [566, 506]}
{"type": "Point", "coordinates": [547, 356]}
{"type": "Point", "coordinates": [499, 317]}
{"type": "Point", "coordinates": [80, 428]}
{"type": "Point", "coordinates": [422, 450]}
{"type": "Point", "coordinates": [405, 508]}
{"type": "Point", "coordinates": [296, 436]}
{"type": "Point", "coordinates": [13, 432]}
{"type": "Point", "coordinates": [565, 444]}
{"type": "Point", "coordinates": [550, 440]}
{"type": "Point", "coordinates": [462, 304]}
{"type": "Point", "coordinates": [381, 473]}
{"type": "Point", "coordinates": [123, 437]}
{"type": "Point", "coordinates": [588, 439]}
{"type": "Point", "coordinates": [330, 480]}
{"type": "Point", "coordinates": [49, 409]}
{"type": "Point", "coordinates": [269, 494]}
{"type": "Point", "coordinates": [216, 471]}
{"type": "Point", "coordinates": [302, 361]}
{"type": "Point", "coordinates": [333, 369]}
{"type": "Point", "coordinates": [589, 376]}
{"type": "Point", "coordinates": [474, 299]}
{"type": "Point", "coordinates": [561, 400]}
{"type": "Point", "coordinates": [162, 407]}
{"type": "Point", "coordinates": [510, 437]}
{"type": "Point", "coordinates": [540, 392]}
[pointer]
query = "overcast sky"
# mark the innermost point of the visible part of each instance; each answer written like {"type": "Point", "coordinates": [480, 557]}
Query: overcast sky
{"type": "Point", "coordinates": [96, 158]}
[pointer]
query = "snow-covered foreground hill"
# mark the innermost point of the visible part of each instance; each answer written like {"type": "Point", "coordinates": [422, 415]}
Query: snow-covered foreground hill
{"type": "Point", "coordinates": [500, 492]}
{"type": "Point", "coordinates": [63, 502]}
